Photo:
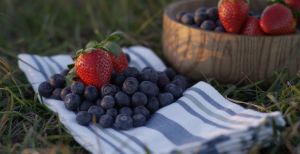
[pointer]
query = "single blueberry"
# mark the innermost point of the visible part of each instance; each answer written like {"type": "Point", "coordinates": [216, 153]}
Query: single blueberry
{"type": "Point", "coordinates": [57, 81]}
{"type": "Point", "coordinates": [181, 81]}
{"type": "Point", "coordinates": [139, 120]}
{"type": "Point", "coordinates": [149, 74]}
{"type": "Point", "coordinates": [107, 102]}
{"type": "Point", "coordinates": [179, 15]}
{"type": "Point", "coordinates": [118, 79]}
{"type": "Point", "coordinates": [163, 79]}
{"type": "Point", "coordinates": [91, 93]}
{"type": "Point", "coordinates": [64, 92]}
{"type": "Point", "coordinates": [131, 72]}
{"type": "Point", "coordinates": [188, 19]}
{"type": "Point", "coordinates": [96, 111]}
{"type": "Point", "coordinates": [72, 101]}
{"type": "Point", "coordinates": [106, 121]}
{"type": "Point", "coordinates": [201, 10]}
{"type": "Point", "coordinates": [45, 89]}
{"type": "Point", "coordinates": [77, 88]}
{"type": "Point", "coordinates": [109, 89]}
{"type": "Point", "coordinates": [208, 25]}
{"type": "Point", "coordinates": [139, 99]}
{"type": "Point", "coordinates": [125, 110]}
{"type": "Point", "coordinates": [112, 111]}
{"type": "Point", "coordinates": [65, 72]}
{"type": "Point", "coordinates": [153, 104]}
{"type": "Point", "coordinates": [175, 90]}
{"type": "Point", "coordinates": [83, 118]}
{"type": "Point", "coordinates": [56, 94]}
{"type": "Point", "coordinates": [123, 121]}
{"type": "Point", "coordinates": [218, 23]}
{"type": "Point", "coordinates": [220, 29]}
{"type": "Point", "coordinates": [170, 73]}
{"type": "Point", "coordinates": [212, 13]}
{"type": "Point", "coordinates": [201, 17]}
{"type": "Point", "coordinates": [149, 88]}
{"type": "Point", "coordinates": [142, 110]}
{"type": "Point", "coordinates": [130, 85]}
{"type": "Point", "coordinates": [165, 99]}
{"type": "Point", "coordinates": [85, 105]}
{"type": "Point", "coordinates": [122, 99]}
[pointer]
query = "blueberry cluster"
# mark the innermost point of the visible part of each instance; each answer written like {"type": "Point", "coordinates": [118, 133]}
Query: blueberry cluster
{"type": "Point", "coordinates": [203, 18]}
{"type": "Point", "coordinates": [127, 102]}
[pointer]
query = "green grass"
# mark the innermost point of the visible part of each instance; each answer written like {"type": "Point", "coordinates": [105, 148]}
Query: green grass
{"type": "Point", "coordinates": [62, 26]}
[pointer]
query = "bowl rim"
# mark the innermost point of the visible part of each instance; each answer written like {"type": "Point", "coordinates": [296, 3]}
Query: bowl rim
{"type": "Point", "coordinates": [168, 14]}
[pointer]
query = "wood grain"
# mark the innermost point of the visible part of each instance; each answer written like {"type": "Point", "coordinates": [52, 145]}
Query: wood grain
{"type": "Point", "coordinates": [226, 57]}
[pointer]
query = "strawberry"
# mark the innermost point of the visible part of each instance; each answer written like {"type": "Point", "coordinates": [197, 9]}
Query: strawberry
{"type": "Point", "coordinates": [277, 19]}
{"type": "Point", "coordinates": [233, 14]}
{"type": "Point", "coordinates": [293, 4]}
{"type": "Point", "coordinates": [251, 27]}
{"type": "Point", "coordinates": [94, 67]}
{"type": "Point", "coordinates": [120, 63]}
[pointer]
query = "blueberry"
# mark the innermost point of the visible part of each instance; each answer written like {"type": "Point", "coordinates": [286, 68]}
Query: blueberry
{"type": "Point", "coordinates": [128, 57]}
{"type": "Point", "coordinates": [175, 90]}
{"type": "Point", "coordinates": [45, 89]}
{"type": "Point", "coordinates": [56, 94]}
{"type": "Point", "coordinates": [208, 25]}
{"type": "Point", "coordinates": [106, 121]}
{"type": "Point", "coordinates": [96, 111]}
{"type": "Point", "coordinates": [77, 88]}
{"type": "Point", "coordinates": [85, 105]}
{"type": "Point", "coordinates": [163, 79]}
{"type": "Point", "coordinates": [112, 111]}
{"type": "Point", "coordinates": [123, 121]}
{"type": "Point", "coordinates": [199, 18]}
{"type": "Point", "coordinates": [109, 89]}
{"type": "Point", "coordinates": [65, 72]}
{"type": "Point", "coordinates": [220, 29]}
{"type": "Point", "coordinates": [131, 72]}
{"type": "Point", "coordinates": [125, 110]}
{"type": "Point", "coordinates": [188, 19]}
{"type": "Point", "coordinates": [149, 74]}
{"type": "Point", "coordinates": [201, 10]}
{"type": "Point", "coordinates": [170, 73]}
{"type": "Point", "coordinates": [149, 88]}
{"type": "Point", "coordinates": [130, 85]}
{"type": "Point", "coordinates": [122, 99]}
{"type": "Point", "coordinates": [139, 99]}
{"type": "Point", "coordinates": [181, 81]}
{"type": "Point", "coordinates": [179, 15]}
{"type": "Point", "coordinates": [212, 13]}
{"type": "Point", "coordinates": [165, 99]}
{"type": "Point", "coordinates": [72, 101]}
{"type": "Point", "coordinates": [218, 23]}
{"type": "Point", "coordinates": [64, 92]}
{"type": "Point", "coordinates": [139, 120]}
{"type": "Point", "coordinates": [107, 102]}
{"type": "Point", "coordinates": [142, 110]}
{"type": "Point", "coordinates": [153, 104]}
{"type": "Point", "coordinates": [83, 118]}
{"type": "Point", "coordinates": [117, 79]}
{"type": "Point", "coordinates": [57, 81]}
{"type": "Point", "coordinates": [91, 93]}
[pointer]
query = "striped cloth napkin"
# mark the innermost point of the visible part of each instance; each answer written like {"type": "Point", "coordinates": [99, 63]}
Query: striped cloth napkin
{"type": "Point", "coordinates": [200, 121]}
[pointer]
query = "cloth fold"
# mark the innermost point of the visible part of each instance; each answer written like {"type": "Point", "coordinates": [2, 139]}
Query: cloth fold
{"type": "Point", "coordinates": [202, 120]}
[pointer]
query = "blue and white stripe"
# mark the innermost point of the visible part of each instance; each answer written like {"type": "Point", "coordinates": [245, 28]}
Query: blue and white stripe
{"type": "Point", "coordinates": [200, 121]}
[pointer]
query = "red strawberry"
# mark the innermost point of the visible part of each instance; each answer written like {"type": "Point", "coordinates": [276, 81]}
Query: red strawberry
{"type": "Point", "coordinates": [120, 63]}
{"type": "Point", "coordinates": [293, 4]}
{"type": "Point", "coordinates": [233, 14]}
{"type": "Point", "coordinates": [251, 27]}
{"type": "Point", "coordinates": [277, 19]}
{"type": "Point", "coordinates": [94, 67]}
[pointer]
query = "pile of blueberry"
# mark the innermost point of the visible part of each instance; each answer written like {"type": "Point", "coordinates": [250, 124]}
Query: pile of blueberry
{"type": "Point", "coordinates": [127, 102]}
{"type": "Point", "coordinates": [203, 18]}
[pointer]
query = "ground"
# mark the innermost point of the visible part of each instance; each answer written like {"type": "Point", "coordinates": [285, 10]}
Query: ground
{"type": "Point", "coordinates": [62, 26]}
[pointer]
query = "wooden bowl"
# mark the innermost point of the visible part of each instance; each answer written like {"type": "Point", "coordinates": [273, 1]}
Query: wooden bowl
{"type": "Point", "coordinates": [228, 58]}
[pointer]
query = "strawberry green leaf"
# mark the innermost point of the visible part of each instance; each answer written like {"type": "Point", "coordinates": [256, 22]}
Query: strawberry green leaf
{"type": "Point", "coordinates": [91, 44]}
{"type": "Point", "coordinates": [275, 1]}
{"type": "Point", "coordinates": [71, 75]}
{"type": "Point", "coordinates": [70, 66]}
{"type": "Point", "coordinates": [112, 47]}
